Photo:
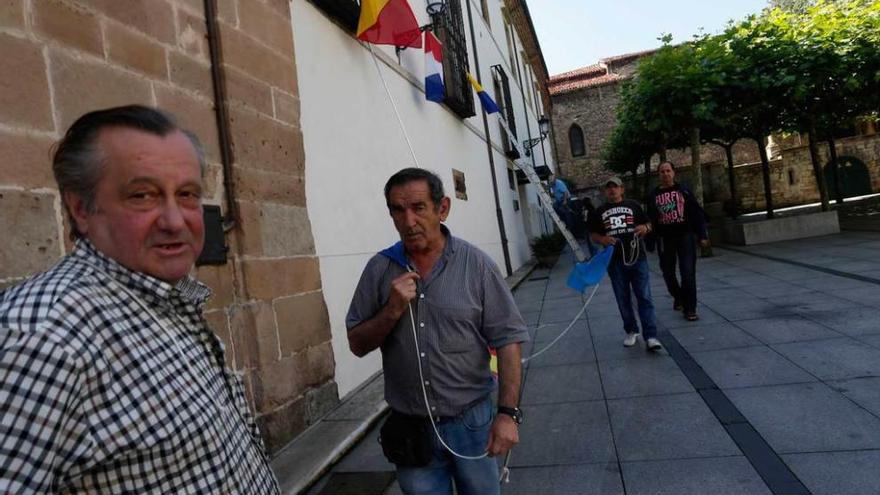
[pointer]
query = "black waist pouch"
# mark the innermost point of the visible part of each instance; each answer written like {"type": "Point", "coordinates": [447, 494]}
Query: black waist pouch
{"type": "Point", "coordinates": [406, 440]}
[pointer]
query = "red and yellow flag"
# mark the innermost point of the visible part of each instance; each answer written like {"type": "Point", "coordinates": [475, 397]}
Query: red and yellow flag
{"type": "Point", "coordinates": [389, 22]}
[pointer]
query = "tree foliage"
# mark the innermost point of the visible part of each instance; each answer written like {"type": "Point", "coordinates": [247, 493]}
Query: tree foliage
{"type": "Point", "coordinates": [798, 67]}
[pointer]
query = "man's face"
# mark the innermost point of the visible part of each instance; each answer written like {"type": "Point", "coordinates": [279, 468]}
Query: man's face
{"type": "Point", "coordinates": [416, 217]}
{"type": "Point", "coordinates": [613, 192]}
{"type": "Point", "coordinates": [148, 204]}
{"type": "Point", "coordinates": [666, 174]}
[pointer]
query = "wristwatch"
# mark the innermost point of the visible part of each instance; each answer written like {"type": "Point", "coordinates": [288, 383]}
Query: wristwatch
{"type": "Point", "coordinates": [513, 412]}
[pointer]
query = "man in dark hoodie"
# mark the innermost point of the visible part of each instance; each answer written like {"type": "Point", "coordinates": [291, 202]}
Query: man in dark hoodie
{"type": "Point", "coordinates": [679, 223]}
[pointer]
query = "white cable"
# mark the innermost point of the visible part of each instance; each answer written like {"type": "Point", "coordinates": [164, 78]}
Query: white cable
{"type": "Point", "coordinates": [412, 319]}
{"type": "Point", "coordinates": [570, 325]}
{"type": "Point", "coordinates": [394, 106]}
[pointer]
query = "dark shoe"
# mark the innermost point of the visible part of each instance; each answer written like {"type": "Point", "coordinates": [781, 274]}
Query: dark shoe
{"type": "Point", "coordinates": [677, 306]}
{"type": "Point", "coordinates": [691, 316]}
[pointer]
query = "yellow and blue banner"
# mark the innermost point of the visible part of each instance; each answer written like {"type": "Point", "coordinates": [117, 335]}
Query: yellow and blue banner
{"type": "Point", "coordinates": [489, 105]}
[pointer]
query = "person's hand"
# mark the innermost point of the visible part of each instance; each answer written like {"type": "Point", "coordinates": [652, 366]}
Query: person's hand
{"type": "Point", "coordinates": [504, 435]}
{"type": "Point", "coordinates": [403, 290]}
{"type": "Point", "coordinates": [705, 243]}
{"type": "Point", "coordinates": [607, 240]}
{"type": "Point", "coordinates": [641, 230]}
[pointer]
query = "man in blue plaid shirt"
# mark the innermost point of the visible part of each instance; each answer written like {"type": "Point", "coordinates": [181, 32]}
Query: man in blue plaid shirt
{"type": "Point", "coordinates": [110, 379]}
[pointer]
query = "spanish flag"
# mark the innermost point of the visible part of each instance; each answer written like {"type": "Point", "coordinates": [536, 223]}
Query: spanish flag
{"type": "Point", "coordinates": [488, 103]}
{"type": "Point", "coordinates": [389, 22]}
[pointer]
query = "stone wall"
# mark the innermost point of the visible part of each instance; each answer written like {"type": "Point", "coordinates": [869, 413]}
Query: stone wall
{"type": "Point", "coordinates": [61, 58]}
{"type": "Point", "coordinates": [791, 174]}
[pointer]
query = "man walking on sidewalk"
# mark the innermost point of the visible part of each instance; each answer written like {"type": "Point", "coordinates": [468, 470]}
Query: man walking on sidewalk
{"type": "Point", "coordinates": [623, 223]}
{"type": "Point", "coordinates": [433, 303]}
{"type": "Point", "coordinates": [680, 223]}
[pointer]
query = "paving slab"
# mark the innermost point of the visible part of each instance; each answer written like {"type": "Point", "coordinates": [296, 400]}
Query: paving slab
{"type": "Point", "coordinates": [717, 475]}
{"type": "Point", "coordinates": [667, 427]}
{"type": "Point", "coordinates": [785, 329]}
{"type": "Point", "coordinates": [750, 367]}
{"type": "Point", "coordinates": [851, 321]}
{"type": "Point", "coordinates": [572, 433]}
{"type": "Point", "coordinates": [863, 391]}
{"type": "Point", "coordinates": [547, 332]}
{"type": "Point", "coordinates": [574, 351]}
{"type": "Point", "coordinates": [366, 457]}
{"type": "Point", "coordinates": [658, 375]}
{"type": "Point", "coordinates": [871, 340]}
{"type": "Point", "coordinates": [833, 359]}
{"type": "Point", "coordinates": [712, 336]}
{"type": "Point", "coordinates": [581, 479]}
{"type": "Point", "coordinates": [567, 383]}
{"type": "Point", "coordinates": [807, 418]}
{"type": "Point", "coordinates": [609, 347]}
{"type": "Point", "coordinates": [838, 473]}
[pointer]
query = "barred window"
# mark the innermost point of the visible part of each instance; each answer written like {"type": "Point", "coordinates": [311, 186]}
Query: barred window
{"type": "Point", "coordinates": [449, 29]}
{"type": "Point", "coordinates": [345, 12]}
{"type": "Point", "coordinates": [505, 103]}
{"type": "Point", "coordinates": [576, 140]}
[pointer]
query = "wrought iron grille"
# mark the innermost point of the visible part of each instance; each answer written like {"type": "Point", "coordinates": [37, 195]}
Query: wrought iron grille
{"type": "Point", "coordinates": [505, 99]}
{"type": "Point", "coordinates": [449, 29]}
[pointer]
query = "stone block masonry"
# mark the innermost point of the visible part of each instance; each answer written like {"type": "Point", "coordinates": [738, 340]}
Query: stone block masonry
{"type": "Point", "coordinates": [62, 58]}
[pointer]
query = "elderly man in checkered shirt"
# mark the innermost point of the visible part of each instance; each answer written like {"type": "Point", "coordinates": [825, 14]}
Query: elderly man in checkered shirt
{"type": "Point", "coordinates": [110, 379]}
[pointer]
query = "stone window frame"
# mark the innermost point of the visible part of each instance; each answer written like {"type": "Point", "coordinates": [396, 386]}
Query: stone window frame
{"type": "Point", "coordinates": [576, 142]}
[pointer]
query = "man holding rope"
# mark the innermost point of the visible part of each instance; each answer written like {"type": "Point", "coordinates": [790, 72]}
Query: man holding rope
{"type": "Point", "coordinates": [433, 303]}
{"type": "Point", "coordinates": [623, 223]}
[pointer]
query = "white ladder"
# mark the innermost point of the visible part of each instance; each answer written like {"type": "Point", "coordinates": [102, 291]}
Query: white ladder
{"type": "Point", "coordinates": [530, 173]}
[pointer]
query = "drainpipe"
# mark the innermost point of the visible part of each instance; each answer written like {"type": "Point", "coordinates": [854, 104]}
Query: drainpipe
{"type": "Point", "coordinates": [218, 81]}
{"type": "Point", "coordinates": [498, 211]}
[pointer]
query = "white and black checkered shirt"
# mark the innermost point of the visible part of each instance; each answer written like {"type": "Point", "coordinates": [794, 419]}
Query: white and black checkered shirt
{"type": "Point", "coordinates": [102, 394]}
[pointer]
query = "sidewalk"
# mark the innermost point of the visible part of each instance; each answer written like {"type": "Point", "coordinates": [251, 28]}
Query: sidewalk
{"type": "Point", "coordinates": [775, 390]}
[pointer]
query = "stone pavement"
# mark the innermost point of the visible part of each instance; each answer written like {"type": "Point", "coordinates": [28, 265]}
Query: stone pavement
{"type": "Point", "coordinates": [776, 389]}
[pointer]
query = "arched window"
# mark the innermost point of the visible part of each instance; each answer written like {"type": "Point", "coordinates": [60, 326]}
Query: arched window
{"type": "Point", "coordinates": [576, 140]}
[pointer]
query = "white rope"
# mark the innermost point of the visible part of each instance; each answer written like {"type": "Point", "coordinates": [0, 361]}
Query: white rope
{"type": "Point", "coordinates": [394, 106]}
{"type": "Point", "coordinates": [412, 320]}
{"type": "Point", "coordinates": [570, 325]}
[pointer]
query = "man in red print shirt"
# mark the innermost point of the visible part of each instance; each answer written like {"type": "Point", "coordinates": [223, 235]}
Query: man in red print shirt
{"type": "Point", "coordinates": [680, 223]}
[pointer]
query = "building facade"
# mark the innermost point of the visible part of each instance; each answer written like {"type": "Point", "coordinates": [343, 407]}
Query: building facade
{"type": "Point", "coordinates": [299, 138]}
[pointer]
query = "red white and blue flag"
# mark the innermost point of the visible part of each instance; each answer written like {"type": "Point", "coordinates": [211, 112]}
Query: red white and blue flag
{"type": "Point", "coordinates": [434, 88]}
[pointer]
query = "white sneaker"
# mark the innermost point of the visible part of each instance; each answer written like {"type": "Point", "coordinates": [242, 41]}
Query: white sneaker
{"type": "Point", "coordinates": [631, 339]}
{"type": "Point", "coordinates": [654, 344]}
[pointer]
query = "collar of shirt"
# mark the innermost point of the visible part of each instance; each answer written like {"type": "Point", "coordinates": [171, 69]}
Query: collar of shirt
{"type": "Point", "coordinates": [448, 251]}
{"type": "Point", "coordinates": [157, 291]}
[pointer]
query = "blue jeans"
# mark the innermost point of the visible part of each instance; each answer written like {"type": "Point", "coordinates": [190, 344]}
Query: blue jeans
{"type": "Point", "coordinates": [684, 249]}
{"type": "Point", "coordinates": [635, 278]}
{"type": "Point", "coordinates": [467, 434]}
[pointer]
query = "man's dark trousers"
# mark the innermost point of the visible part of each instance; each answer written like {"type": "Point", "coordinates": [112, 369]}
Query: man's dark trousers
{"type": "Point", "coordinates": [682, 248]}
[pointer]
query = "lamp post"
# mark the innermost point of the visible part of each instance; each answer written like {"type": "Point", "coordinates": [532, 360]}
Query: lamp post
{"type": "Point", "coordinates": [544, 128]}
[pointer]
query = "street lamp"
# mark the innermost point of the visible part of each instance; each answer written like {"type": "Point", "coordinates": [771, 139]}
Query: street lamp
{"type": "Point", "coordinates": [436, 8]}
{"type": "Point", "coordinates": [544, 128]}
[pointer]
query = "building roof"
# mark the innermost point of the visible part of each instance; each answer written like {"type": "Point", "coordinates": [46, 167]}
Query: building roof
{"type": "Point", "coordinates": [592, 76]}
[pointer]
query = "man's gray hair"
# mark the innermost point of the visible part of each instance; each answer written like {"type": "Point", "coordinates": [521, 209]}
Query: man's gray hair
{"type": "Point", "coordinates": [78, 163]}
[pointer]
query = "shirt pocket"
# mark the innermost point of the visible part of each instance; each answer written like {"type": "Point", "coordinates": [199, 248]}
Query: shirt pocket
{"type": "Point", "coordinates": [459, 329]}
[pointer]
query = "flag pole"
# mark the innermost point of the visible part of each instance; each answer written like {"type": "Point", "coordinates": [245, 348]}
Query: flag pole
{"type": "Point", "coordinates": [394, 106]}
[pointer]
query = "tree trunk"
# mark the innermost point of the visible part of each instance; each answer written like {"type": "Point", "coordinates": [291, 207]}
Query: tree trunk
{"type": "Point", "coordinates": [647, 178]}
{"type": "Point", "coordinates": [662, 154]}
{"type": "Point", "coordinates": [835, 172]}
{"type": "Point", "coordinates": [731, 180]}
{"type": "Point", "coordinates": [697, 164]}
{"type": "Point", "coordinates": [817, 167]}
{"type": "Point", "coordinates": [635, 174]}
{"type": "Point", "coordinates": [765, 173]}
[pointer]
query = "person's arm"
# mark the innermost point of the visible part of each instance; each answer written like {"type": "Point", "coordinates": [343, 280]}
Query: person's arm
{"type": "Point", "coordinates": [643, 223]}
{"type": "Point", "coordinates": [368, 335]}
{"type": "Point", "coordinates": [505, 431]}
{"type": "Point", "coordinates": [41, 429]}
